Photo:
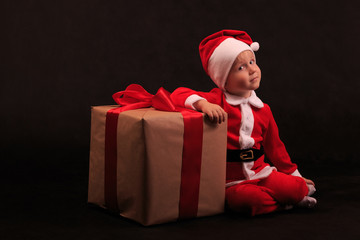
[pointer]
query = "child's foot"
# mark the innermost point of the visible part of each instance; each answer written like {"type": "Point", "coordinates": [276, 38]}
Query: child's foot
{"type": "Point", "coordinates": [307, 202]}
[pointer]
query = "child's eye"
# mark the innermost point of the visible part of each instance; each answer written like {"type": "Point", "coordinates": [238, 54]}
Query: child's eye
{"type": "Point", "coordinates": [241, 67]}
{"type": "Point", "coordinates": [252, 62]}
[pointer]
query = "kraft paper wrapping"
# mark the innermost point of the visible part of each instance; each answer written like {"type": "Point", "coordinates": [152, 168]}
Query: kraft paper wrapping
{"type": "Point", "coordinates": [149, 148]}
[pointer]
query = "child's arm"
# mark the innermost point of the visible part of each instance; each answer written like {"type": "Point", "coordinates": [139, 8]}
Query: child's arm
{"type": "Point", "coordinates": [206, 102]}
{"type": "Point", "coordinates": [276, 151]}
{"type": "Point", "coordinates": [213, 111]}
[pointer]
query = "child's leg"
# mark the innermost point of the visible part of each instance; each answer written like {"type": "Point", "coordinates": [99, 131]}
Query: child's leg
{"type": "Point", "coordinates": [249, 198]}
{"type": "Point", "coordinates": [286, 189]}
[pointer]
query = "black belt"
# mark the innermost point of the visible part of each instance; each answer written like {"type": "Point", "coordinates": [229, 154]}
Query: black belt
{"type": "Point", "coordinates": [246, 155]}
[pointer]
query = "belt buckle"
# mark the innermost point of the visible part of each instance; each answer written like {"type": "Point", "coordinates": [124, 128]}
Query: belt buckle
{"type": "Point", "coordinates": [247, 155]}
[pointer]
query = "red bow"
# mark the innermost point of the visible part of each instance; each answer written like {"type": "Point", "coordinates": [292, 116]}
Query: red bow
{"type": "Point", "coordinates": [135, 96]}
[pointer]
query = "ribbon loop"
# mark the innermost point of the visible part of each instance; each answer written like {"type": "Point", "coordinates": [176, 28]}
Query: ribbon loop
{"type": "Point", "coordinates": [162, 101]}
{"type": "Point", "coordinates": [135, 96]}
{"type": "Point", "coordinates": [134, 93]}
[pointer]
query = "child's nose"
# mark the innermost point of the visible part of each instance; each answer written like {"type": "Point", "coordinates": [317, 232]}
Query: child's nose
{"type": "Point", "coordinates": [252, 69]}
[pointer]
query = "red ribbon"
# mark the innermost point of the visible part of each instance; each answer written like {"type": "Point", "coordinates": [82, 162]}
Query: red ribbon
{"type": "Point", "coordinates": [135, 97]}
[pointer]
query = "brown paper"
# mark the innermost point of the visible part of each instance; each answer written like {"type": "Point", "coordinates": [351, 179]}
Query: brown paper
{"type": "Point", "coordinates": [149, 152]}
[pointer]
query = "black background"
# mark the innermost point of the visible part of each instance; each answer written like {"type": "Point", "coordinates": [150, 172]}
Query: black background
{"type": "Point", "coordinates": [59, 58]}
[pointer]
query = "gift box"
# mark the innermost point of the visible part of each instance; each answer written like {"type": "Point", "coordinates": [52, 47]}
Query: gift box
{"type": "Point", "coordinates": [156, 166]}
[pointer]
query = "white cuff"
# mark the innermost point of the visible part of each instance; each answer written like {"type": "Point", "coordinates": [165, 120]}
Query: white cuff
{"type": "Point", "coordinates": [189, 102]}
{"type": "Point", "coordinates": [296, 173]}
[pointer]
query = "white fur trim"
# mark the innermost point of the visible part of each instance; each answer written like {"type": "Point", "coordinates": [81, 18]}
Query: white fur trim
{"type": "Point", "coordinates": [236, 100]}
{"type": "Point", "coordinates": [189, 102]}
{"type": "Point", "coordinates": [229, 184]}
{"type": "Point", "coordinates": [255, 46]}
{"type": "Point", "coordinates": [247, 116]}
{"type": "Point", "coordinates": [223, 58]}
{"type": "Point", "coordinates": [296, 173]}
{"type": "Point", "coordinates": [264, 173]}
{"type": "Point", "coordinates": [248, 173]}
{"type": "Point", "coordinates": [247, 126]}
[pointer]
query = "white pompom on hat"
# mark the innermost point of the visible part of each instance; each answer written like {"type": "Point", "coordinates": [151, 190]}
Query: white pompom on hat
{"type": "Point", "coordinates": [219, 51]}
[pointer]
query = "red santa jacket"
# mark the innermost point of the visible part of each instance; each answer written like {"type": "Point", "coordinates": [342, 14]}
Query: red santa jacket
{"type": "Point", "coordinates": [250, 125]}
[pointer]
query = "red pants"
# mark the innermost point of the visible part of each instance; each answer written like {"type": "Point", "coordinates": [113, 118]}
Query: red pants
{"type": "Point", "coordinates": [266, 195]}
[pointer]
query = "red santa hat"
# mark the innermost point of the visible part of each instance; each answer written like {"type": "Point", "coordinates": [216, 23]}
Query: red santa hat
{"type": "Point", "coordinates": [219, 51]}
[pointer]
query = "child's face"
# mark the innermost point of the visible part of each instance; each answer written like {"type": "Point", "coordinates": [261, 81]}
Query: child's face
{"type": "Point", "coordinates": [244, 75]}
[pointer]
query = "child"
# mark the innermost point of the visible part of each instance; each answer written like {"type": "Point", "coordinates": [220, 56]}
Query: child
{"type": "Point", "coordinates": [252, 186]}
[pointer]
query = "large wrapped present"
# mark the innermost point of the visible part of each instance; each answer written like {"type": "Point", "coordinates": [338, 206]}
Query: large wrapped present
{"type": "Point", "coordinates": [155, 166]}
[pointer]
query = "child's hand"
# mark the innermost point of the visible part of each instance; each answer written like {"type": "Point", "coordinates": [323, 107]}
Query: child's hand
{"type": "Point", "coordinates": [213, 111]}
{"type": "Point", "coordinates": [308, 181]}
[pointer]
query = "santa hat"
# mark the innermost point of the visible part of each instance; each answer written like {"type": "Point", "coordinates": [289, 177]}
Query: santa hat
{"type": "Point", "coordinates": [219, 51]}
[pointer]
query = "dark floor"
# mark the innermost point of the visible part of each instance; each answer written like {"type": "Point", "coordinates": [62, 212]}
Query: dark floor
{"type": "Point", "coordinates": [44, 196]}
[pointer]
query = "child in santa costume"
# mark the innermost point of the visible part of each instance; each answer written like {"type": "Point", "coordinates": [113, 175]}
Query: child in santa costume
{"type": "Point", "coordinates": [252, 186]}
